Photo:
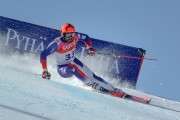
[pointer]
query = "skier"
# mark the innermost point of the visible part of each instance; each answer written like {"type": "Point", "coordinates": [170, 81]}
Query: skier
{"type": "Point", "coordinates": [68, 65]}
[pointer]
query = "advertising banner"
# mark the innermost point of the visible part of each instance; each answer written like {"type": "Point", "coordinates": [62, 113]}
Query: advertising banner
{"type": "Point", "coordinates": [23, 37]}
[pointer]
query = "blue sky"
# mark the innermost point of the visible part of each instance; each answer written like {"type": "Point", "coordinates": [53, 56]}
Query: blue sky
{"type": "Point", "coordinates": [150, 24]}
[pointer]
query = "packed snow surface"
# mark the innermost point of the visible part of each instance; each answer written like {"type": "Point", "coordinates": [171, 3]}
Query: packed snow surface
{"type": "Point", "coordinates": [25, 96]}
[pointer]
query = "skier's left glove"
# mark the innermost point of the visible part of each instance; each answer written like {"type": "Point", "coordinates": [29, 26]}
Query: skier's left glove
{"type": "Point", "coordinates": [91, 51]}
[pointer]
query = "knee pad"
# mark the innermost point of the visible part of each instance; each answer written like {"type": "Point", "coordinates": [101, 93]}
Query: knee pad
{"type": "Point", "coordinates": [69, 69]}
{"type": "Point", "coordinates": [66, 71]}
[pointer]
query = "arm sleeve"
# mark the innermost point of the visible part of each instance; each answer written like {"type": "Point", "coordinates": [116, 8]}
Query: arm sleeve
{"type": "Point", "coordinates": [85, 38]}
{"type": "Point", "coordinates": [51, 48]}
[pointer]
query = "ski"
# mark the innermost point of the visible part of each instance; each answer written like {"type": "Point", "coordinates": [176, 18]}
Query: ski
{"type": "Point", "coordinates": [138, 99]}
{"type": "Point", "coordinates": [130, 97]}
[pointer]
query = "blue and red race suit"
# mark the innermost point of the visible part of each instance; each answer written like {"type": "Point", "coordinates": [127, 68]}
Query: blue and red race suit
{"type": "Point", "coordinates": [68, 65]}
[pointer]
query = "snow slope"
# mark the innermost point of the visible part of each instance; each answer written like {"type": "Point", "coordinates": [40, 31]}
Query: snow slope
{"type": "Point", "coordinates": [24, 96]}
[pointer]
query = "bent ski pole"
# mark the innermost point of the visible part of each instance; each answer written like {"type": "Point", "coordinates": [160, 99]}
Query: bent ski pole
{"type": "Point", "coordinates": [124, 56]}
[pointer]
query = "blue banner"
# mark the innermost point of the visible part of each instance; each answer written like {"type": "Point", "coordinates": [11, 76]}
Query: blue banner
{"type": "Point", "coordinates": [22, 37]}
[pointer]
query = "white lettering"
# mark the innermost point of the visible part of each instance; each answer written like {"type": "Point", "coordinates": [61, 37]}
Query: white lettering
{"type": "Point", "coordinates": [19, 41]}
{"type": "Point", "coordinates": [31, 45]}
{"type": "Point", "coordinates": [11, 34]}
{"type": "Point", "coordinates": [23, 42]}
{"type": "Point", "coordinates": [70, 45]}
{"type": "Point", "coordinates": [106, 61]}
{"type": "Point", "coordinates": [40, 47]}
{"type": "Point", "coordinates": [114, 66]}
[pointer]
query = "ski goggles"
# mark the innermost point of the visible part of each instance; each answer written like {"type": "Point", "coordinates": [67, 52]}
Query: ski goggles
{"type": "Point", "coordinates": [69, 35]}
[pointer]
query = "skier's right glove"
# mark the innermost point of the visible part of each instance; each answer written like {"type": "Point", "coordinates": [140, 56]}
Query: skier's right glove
{"type": "Point", "coordinates": [46, 75]}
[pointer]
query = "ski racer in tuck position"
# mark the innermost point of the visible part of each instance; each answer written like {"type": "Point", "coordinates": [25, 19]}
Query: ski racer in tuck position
{"type": "Point", "coordinates": [68, 65]}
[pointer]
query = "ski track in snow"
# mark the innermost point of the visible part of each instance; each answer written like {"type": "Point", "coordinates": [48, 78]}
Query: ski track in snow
{"type": "Point", "coordinates": [24, 96]}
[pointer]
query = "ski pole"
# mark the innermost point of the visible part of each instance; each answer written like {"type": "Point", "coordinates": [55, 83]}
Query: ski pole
{"type": "Point", "coordinates": [34, 74]}
{"type": "Point", "coordinates": [124, 56]}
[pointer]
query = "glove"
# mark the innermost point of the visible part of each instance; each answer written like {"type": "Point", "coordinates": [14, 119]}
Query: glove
{"type": "Point", "coordinates": [46, 75]}
{"type": "Point", "coordinates": [91, 51]}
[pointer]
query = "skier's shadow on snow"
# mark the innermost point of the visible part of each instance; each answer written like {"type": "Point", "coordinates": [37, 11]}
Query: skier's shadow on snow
{"type": "Point", "coordinates": [24, 112]}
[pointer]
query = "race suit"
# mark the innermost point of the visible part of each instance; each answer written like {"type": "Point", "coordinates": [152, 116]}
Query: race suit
{"type": "Point", "coordinates": [68, 65]}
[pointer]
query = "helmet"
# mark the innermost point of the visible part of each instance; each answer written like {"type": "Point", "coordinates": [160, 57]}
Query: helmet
{"type": "Point", "coordinates": [67, 32]}
{"type": "Point", "coordinates": [67, 28]}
